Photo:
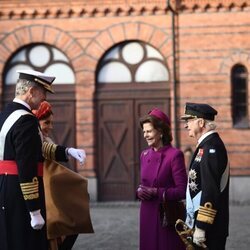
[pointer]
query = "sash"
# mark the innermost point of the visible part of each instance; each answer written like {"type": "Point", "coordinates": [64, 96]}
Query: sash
{"type": "Point", "coordinates": [192, 205]}
{"type": "Point", "coordinates": [7, 125]}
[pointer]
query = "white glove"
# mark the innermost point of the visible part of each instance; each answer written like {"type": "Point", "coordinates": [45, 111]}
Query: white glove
{"type": "Point", "coordinates": [199, 237]}
{"type": "Point", "coordinates": [78, 154]}
{"type": "Point", "coordinates": [37, 221]}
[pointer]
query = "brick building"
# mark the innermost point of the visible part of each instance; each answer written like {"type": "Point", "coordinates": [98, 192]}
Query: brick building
{"type": "Point", "coordinates": [116, 59]}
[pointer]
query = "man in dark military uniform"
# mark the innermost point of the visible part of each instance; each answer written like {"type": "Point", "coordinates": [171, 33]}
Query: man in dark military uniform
{"type": "Point", "coordinates": [208, 179]}
{"type": "Point", "coordinates": [22, 201]}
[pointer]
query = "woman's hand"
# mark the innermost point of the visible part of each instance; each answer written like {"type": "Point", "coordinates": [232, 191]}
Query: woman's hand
{"type": "Point", "coordinates": [146, 193]}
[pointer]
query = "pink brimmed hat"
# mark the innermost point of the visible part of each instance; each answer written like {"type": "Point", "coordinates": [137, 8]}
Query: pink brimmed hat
{"type": "Point", "coordinates": [160, 115]}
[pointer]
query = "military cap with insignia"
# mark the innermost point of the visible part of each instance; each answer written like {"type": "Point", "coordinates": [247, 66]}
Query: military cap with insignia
{"type": "Point", "coordinates": [199, 110]}
{"type": "Point", "coordinates": [43, 79]}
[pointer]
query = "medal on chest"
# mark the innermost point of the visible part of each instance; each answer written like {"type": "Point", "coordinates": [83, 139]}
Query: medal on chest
{"type": "Point", "coordinates": [199, 155]}
{"type": "Point", "coordinates": [192, 182]}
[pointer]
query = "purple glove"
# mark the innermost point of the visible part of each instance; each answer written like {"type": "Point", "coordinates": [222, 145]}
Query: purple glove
{"type": "Point", "coordinates": [142, 194]}
{"type": "Point", "coordinates": [152, 191]}
{"type": "Point", "coordinates": [146, 193]}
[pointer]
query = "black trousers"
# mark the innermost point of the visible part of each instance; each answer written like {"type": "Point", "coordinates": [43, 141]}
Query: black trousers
{"type": "Point", "coordinates": [68, 242]}
{"type": "Point", "coordinates": [216, 243]}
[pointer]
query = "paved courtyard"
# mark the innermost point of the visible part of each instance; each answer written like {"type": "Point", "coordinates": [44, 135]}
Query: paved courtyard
{"type": "Point", "coordinates": [116, 228]}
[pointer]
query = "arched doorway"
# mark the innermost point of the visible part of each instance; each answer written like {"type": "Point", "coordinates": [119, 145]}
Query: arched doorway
{"type": "Point", "coordinates": [132, 78]}
{"type": "Point", "coordinates": [48, 59]}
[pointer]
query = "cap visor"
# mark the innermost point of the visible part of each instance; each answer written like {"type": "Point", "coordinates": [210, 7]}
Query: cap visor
{"type": "Point", "coordinates": [51, 91]}
{"type": "Point", "coordinates": [187, 117]}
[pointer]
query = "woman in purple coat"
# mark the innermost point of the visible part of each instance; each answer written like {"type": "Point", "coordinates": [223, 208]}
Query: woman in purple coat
{"type": "Point", "coordinates": [162, 171]}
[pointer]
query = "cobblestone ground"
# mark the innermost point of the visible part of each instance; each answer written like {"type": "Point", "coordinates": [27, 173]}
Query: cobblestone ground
{"type": "Point", "coordinates": [116, 228]}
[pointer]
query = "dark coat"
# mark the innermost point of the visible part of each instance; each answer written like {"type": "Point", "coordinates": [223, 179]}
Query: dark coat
{"type": "Point", "coordinates": [23, 145]}
{"type": "Point", "coordinates": [209, 176]}
{"type": "Point", "coordinates": [164, 169]}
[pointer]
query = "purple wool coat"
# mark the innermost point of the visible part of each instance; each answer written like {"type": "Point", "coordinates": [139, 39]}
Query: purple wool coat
{"type": "Point", "coordinates": [164, 169]}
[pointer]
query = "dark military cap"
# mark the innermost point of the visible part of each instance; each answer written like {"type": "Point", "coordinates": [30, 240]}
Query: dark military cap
{"type": "Point", "coordinates": [198, 110]}
{"type": "Point", "coordinates": [31, 75]}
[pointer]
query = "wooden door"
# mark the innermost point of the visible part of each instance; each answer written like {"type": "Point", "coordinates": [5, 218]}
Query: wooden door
{"type": "Point", "coordinates": [115, 150]}
{"type": "Point", "coordinates": [120, 140]}
{"type": "Point", "coordinates": [64, 127]}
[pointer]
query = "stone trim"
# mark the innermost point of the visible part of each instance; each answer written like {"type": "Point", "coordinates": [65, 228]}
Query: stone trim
{"type": "Point", "coordinates": [213, 5]}
{"type": "Point", "coordinates": [85, 60]}
{"type": "Point", "coordinates": [60, 10]}
{"type": "Point", "coordinates": [235, 57]}
{"type": "Point", "coordinates": [26, 35]}
{"type": "Point", "coordinates": [81, 9]}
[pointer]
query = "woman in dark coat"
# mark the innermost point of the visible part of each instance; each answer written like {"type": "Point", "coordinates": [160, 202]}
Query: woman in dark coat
{"type": "Point", "coordinates": [162, 172]}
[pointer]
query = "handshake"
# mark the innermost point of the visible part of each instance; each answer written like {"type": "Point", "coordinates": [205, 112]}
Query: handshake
{"type": "Point", "coordinates": [146, 193]}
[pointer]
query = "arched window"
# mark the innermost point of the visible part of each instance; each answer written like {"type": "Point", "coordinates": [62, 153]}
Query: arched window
{"type": "Point", "coordinates": [43, 58]}
{"type": "Point", "coordinates": [239, 102]}
{"type": "Point", "coordinates": [132, 62]}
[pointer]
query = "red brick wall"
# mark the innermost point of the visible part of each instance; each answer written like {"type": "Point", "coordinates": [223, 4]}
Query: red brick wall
{"type": "Point", "coordinates": [211, 43]}
{"type": "Point", "coordinates": [212, 37]}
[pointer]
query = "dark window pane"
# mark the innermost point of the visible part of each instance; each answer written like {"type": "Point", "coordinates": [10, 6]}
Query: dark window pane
{"type": "Point", "coordinates": [239, 80]}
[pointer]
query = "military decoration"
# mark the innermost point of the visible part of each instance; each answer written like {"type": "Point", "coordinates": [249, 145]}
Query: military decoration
{"type": "Point", "coordinates": [206, 213]}
{"type": "Point", "coordinates": [212, 150]}
{"type": "Point", "coordinates": [199, 155]}
{"type": "Point", "coordinates": [30, 189]}
{"type": "Point", "coordinates": [192, 176]}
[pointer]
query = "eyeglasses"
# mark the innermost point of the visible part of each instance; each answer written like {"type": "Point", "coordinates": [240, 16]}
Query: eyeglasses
{"type": "Point", "coordinates": [191, 120]}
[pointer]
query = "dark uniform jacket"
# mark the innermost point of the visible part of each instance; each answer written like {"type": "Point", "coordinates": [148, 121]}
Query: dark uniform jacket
{"type": "Point", "coordinates": [22, 193]}
{"type": "Point", "coordinates": [208, 180]}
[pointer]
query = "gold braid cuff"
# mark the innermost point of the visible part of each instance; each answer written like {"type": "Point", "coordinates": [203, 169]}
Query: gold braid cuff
{"type": "Point", "coordinates": [49, 150]}
{"type": "Point", "coordinates": [30, 189]}
{"type": "Point", "coordinates": [206, 213]}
